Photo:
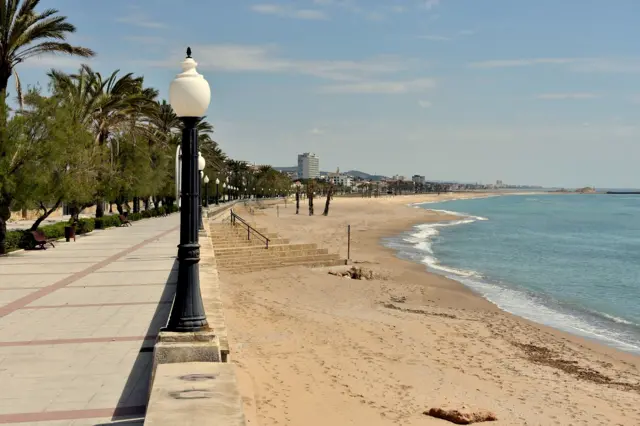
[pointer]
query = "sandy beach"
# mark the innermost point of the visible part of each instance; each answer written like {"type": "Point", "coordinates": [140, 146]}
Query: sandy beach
{"type": "Point", "coordinates": [316, 349]}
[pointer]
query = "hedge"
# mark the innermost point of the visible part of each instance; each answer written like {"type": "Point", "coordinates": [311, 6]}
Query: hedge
{"type": "Point", "coordinates": [23, 239]}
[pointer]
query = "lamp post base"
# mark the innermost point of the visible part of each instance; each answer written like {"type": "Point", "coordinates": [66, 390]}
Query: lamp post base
{"type": "Point", "coordinates": [187, 314]}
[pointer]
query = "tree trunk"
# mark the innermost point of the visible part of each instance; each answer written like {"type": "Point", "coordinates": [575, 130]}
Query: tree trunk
{"type": "Point", "coordinates": [146, 203]}
{"type": "Point", "coordinates": [297, 201]}
{"type": "Point", "coordinates": [45, 214]}
{"type": "Point", "coordinates": [5, 214]}
{"type": "Point", "coordinates": [5, 199]}
{"type": "Point", "coordinates": [326, 205]}
{"type": "Point", "coordinates": [136, 205]}
{"type": "Point", "coordinates": [311, 204]}
{"type": "Point", "coordinates": [100, 207]}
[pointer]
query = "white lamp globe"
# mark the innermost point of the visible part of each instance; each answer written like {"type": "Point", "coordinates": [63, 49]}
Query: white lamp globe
{"type": "Point", "coordinates": [224, 185]}
{"type": "Point", "coordinates": [189, 92]}
{"type": "Point", "coordinates": [217, 181]}
{"type": "Point", "coordinates": [201, 161]}
{"type": "Point", "coordinates": [206, 179]}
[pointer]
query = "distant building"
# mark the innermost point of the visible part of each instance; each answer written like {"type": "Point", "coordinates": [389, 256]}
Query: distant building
{"type": "Point", "coordinates": [398, 178]}
{"type": "Point", "coordinates": [341, 179]}
{"type": "Point", "coordinates": [291, 175]}
{"type": "Point", "coordinates": [418, 179]}
{"type": "Point", "coordinates": [308, 166]}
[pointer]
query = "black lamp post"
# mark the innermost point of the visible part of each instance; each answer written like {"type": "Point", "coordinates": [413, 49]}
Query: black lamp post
{"type": "Point", "coordinates": [201, 165]}
{"type": "Point", "coordinates": [217, 191]}
{"type": "Point", "coordinates": [206, 191]}
{"type": "Point", "coordinates": [189, 95]}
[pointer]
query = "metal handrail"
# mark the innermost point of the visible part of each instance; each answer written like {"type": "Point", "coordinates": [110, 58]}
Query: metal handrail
{"type": "Point", "coordinates": [250, 228]}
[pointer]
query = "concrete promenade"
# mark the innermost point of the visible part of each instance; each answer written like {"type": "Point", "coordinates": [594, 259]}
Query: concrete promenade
{"type": "Point", "coordinates": [78, 324]}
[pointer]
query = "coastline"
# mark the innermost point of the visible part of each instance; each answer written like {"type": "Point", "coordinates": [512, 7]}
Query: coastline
{"type": "Point", "coordinates": [481, 356]}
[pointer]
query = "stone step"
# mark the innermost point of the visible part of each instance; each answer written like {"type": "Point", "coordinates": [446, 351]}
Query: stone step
{"type": "Point", "coordinates": [242, 238]}
{"type": "Point", "coordinates": [280, 261]}
{"type": "Point", "coordinates": [268, 253]}
{"type": "Point", "coordinates": [248, 245]}
{"type": "Point", "coordinates": [239, 233]}
{"type": "Point", "coordinates": [221, 252]}
{"type": "Point", "coordinates": [276, 260]}
{"type": "Point", "coordinates": [245, 269]}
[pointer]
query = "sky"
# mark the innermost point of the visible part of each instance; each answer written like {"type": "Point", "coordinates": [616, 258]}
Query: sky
{"type": "Point", "coordinates": [528, 92]}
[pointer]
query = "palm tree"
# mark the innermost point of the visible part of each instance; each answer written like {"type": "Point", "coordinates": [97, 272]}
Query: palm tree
{"type": "Point", "coordinates": [25, 33]}
{"type": "Point", "coordinates": [106, 106]}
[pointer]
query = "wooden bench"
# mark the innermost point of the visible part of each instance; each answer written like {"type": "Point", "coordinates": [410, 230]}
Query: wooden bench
{"type": "Point", "coordinates": [42, 240]}
{"type": "Point", "coordinates": [124, 221]}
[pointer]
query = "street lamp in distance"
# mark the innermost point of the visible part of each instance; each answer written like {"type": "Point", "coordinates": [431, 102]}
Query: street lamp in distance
{"type": "Point", "coordinates": [189, 96]}
{"type": "Point", "coordinates": [206, 191]}
{"type": "Point", "coordinates": [217, 192]}
{"type": "Point", "coordinates": [201, 165]}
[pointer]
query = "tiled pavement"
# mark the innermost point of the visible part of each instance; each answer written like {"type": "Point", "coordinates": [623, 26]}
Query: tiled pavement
{"type": "Point", "coordinates": [78, 323]}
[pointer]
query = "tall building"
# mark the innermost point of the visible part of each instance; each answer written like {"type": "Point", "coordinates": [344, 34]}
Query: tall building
{"type": "Point", "coordinates": [308, 166]}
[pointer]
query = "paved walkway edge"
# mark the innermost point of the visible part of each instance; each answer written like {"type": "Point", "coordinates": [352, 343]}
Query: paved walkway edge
{"type": "Point", "coordinates": [198, 393]}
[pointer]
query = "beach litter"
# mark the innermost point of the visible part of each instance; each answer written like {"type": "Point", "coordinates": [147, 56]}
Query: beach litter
{"type": "Point", "coordinates": [355, 274]}
{"type": "Point", "coordinates": [462, 416]}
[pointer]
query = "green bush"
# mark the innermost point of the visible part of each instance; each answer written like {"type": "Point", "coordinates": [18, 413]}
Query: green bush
{"type": "Point", "coordinates": [84, 226]}
{"type": "Point", "coordinates": [54, 231]}
{"type": "Point", "coordinates": [107, 222]}
{"type": "Point", "coordinates": [17, 240]}
{"type": "Point", "coordinates": [23, 239]}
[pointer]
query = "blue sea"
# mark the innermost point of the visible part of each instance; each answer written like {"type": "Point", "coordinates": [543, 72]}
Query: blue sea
{"type": "Point", "coordinates": [568, 261]}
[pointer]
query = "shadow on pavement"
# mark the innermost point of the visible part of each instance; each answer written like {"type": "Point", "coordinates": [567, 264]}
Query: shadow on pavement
{"type": "Point", "coordinates": [133, 400]}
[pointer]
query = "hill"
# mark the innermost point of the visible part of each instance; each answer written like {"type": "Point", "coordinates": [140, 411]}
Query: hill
{"type": "Point", "coordinates": [363, 175]}
{"type": "Point", "coordinates": [354, 173]}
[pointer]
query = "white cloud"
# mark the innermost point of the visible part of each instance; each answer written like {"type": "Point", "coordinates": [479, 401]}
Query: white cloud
{"type": "Point", "coordinates": [381, 87]}
{"type": "Point", "coordinates": [424, 104]}
{"type": "Point", "coordinates": [257, 58]}
{"type": "Point", "coordinates": [316, 131]}
{"type": "Point", "coordinates": [435, 38]}
{"type": "Point", "coordinates": [593, 65]}
{"type": "Point", "coordinates": [431, 4]}
{"type": "Point", "coordinates": [289, 12]}
{"type": "Point", "coordinates": [509, 63]}
{"type": "Point", "coordinates": [146, 39]}
{"type": "Point", "coordinates": [466, 32]}
{"type": "Point", "coordinates": [566, 96]}
{"type": "Point", "coordinates": [57, 61]}
{"type": "Point", "coordinates": [140, 20]}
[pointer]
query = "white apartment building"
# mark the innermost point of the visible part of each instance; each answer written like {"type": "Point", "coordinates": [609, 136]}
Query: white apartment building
{"type": "Point", "coordinates": [308, 166]}
{"type": "Point", "coordinates": [341, 179]}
